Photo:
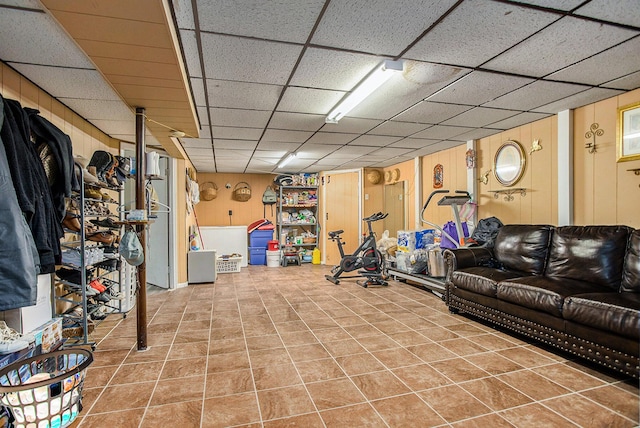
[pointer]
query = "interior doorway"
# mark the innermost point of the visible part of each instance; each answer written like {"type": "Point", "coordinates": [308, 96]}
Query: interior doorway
{"type": "Point", "coordinates": [395, 203]}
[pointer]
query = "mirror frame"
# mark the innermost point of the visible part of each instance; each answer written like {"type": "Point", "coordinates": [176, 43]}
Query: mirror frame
{"type": "Point", "coordinates": [512, 155]}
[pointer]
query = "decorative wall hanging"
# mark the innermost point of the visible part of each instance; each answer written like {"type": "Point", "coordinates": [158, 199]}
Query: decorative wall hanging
{"type": "Point", "coordinates": [438, 176]}
{"type": "Point", "coordinates": [470, 158]}
{"type": "Point", "coordinates": [374, 176]}
{"type": "Point", "coordinates": [509, 163]}
{"type": "Point", "coordinates": [628, 138]}
{"type": "Point", "coordinates": [208, 191]}
{"type": "Point", "coordinates": [395, 174]}
{"type": "Point", "coordinates": [484, 178]}
{"type": "Point", "coordinates": [592, 133]}
{"type": "Point", "coordinates": [535, 147]}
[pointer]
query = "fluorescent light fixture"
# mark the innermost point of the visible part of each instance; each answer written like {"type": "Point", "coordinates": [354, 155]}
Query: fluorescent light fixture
{"type": "Point", "coordinates": [286, 160]}
{"type": "Point", "coordinates": [373, 81]}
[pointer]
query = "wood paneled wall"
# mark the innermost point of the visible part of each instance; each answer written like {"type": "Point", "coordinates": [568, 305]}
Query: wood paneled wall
{"type": "Point", "coordinates": [216, 212]}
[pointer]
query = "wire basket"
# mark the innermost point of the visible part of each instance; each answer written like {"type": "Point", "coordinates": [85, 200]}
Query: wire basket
{"type": "Point", "coordinates": [45, 390]}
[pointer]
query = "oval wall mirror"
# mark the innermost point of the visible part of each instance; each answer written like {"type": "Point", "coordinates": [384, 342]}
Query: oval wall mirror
{"type": "Point", "coordinates": [509, 163]}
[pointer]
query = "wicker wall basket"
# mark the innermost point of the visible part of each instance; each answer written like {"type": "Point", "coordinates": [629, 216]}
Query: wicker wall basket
{"type": "Point", "coordinates": [208, 191]}
{"type": "Point", "coordinates": [242, 191]}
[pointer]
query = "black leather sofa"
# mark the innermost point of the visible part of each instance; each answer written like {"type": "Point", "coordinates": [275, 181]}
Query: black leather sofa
{"type": "Point", "coordinates": [576, 288]}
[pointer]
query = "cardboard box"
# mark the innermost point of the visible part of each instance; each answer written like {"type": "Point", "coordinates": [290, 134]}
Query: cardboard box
{"type": "Point", "coordinates": [48, 336]}
{"type": "Point", "coordinates": [25, 320]}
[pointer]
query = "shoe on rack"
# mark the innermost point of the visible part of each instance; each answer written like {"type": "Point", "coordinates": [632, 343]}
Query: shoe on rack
{"type": "Point", "coordinates": [71, 221]}
{"type": "Point", "coordinates": [102, 297]}
{"type": "Point", "coordinates": [110, 264]}
{"type": "Point", "coordinates": [96, 284]}
{"type": "Point", "coordinates": [106, 222]}
{"type": "Point", "coordinates": [92, 194]}
{"type": "Point", "coordinates": [114, 295]}
{"type": "Point", "coordinates": [104, 237]}
{"type": "Point", "coordinates": [11, 340]}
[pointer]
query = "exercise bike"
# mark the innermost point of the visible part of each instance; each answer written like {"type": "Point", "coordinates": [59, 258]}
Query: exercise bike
{"type": "Point", "coordinates": [367, 257]}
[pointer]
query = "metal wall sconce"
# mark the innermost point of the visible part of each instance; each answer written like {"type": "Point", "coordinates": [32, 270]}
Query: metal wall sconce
{"type": "Point", "coordinates": [592, 134]}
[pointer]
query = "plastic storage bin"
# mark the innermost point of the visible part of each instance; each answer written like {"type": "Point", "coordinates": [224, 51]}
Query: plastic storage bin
{"type": "Point", "coordinates": [258, 255]}
{"type": "Point", "coordinates": [228, 264]}
{"type": "Point", "coordinates": [260, 238]}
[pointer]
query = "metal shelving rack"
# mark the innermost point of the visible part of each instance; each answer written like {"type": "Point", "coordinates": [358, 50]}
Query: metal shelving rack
{"type": "Point", "coordinates": [291, 200]}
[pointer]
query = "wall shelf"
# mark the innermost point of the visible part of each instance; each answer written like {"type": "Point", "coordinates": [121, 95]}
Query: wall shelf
{"type": "Point", "coordinates": [508, 193]}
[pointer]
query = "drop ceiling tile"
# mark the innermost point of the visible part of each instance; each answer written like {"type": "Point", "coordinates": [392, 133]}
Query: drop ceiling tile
{"type": "Point", "coordinates": [184, 14]}
{"type": "Point", "coordinates": [351, 125]}
{"type": "Point", "coordinates": [429, 112]}
{"type": "Point", "coordinates": [111, 127]}
{"type": "Point", "coordinates": [276, 154]}
{"type": "Point", "coordinates": [418, 81]}
{"type": "Point", "coordinates": [479, 116]}
{"type": "Point", "coordinates": [307, 100]}
{"type": "Point", "coordinates": [534, 95]}
{"type": "Point", "coordinates": [390, 152]}
{"type": "Point", "coordinates": [398, 129]}
{"type": "Point", "coordinates": [200, 152]}
{"type": "Point", "coordinates": [243, 95]}
{"type": "Point", "coordinates": [629, 82]}
{"type": "Point", "coordinates": [413, 143]}
{"type": "Point", "coordinates": [203, 116]}
{"type": "Point", "coordinates": [248, 60]}
{"type": "Point", "coordinates": [69, 82]}
{"type": "Point", "coordinates": [477, 31]}
{"type": "Point", "coordinates": [621, 11]}
{"type": "Point", "coordinates": [231, 168]}
{"type": "Point", "coordinates": [561, 44]}
{"type": "Point", "coordinates": [374, 140]}
{"type": "Point", "coordinates": [31, 4]}
{"type": "Point", "coordinates": [350, 151]}
{"type": "Point", "coordinates": [314, 151]}
{"type": "Point", "coordinates": [264, 20]}
{"type": "Point", "coordinates": [328, 164]}
{"type": "Point", "coordinates": [231, 133]}
{"type": "Point", "coordinates": [286, 136]}
{"type": "Point", "coordinates": [518, 120]}
{"type": "Point", "coordinates": [475, 134]}
{"type": "Point", "coordinates": [278, 145]}
{"type": "Point", "coordinates": [195, 142]}
{"type": "Point", "coordinates": [35, 38]}
{"type": "Point", "coordinates": [190, 50]}
{"type": "Point", "coordinates": [330, 69]}
{"type": "Point", "coordinates": [296, 121]}
{"type": "Point", "coordinates": [603, 67]}
{"type": "Point", "coordinates": [331, 138]}
{"type": "Point", "coordinates": [479, 87]}
{"type": "Point", "coordinates": [99, 109]}
{"type": "Point", "coordinates": [553, 4]}
{"type": "Point", "coordinates": [377, 26]}
{"type": "Point", "coordinates": [205, 132]}
{"type": "Point", "coordinates": [233, 156]}
{"type": "Point", "coordinates": [198, 92]}
{"type": "Point", "coordinates": [239, 117]}
{"type": "Point", "coordinates": [434, 148]}
{"type": "Point", "coordinates": [235, 144]}
{"type": "Point", "coordinates": [441, 132]}
{"type": "Point", "coordinates": [578, 100]}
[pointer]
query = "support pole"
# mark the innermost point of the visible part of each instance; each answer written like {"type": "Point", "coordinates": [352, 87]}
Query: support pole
{"type": "Point", "coordinates": [141, 296]}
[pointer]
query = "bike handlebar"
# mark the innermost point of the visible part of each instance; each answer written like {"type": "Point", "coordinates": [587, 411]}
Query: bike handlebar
{"type": "Point", "coordinates": [375, 217]}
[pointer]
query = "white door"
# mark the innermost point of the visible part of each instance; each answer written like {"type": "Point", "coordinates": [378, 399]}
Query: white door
{"type": "Point", "coordinates": [158, 233]}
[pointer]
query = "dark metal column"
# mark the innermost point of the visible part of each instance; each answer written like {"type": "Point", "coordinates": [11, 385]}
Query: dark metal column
{"type": "Point", "coordinates": [141, 296]}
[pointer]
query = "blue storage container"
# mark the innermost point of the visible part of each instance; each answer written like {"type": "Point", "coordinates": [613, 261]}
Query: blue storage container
{"type": "Point", "coordinates": [258, 255]}
{"type": "Point", "coordinates": [260, 238]}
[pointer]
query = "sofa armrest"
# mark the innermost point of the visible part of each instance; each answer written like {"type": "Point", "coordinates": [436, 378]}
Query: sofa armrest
{"type": "Point", "coordinates": [460, 258]}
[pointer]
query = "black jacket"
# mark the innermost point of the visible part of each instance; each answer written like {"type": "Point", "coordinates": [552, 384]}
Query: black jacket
{"type": "Point", "coordinates": [44, 132]}
{"type": "Point", "coordinates": [31, 185]}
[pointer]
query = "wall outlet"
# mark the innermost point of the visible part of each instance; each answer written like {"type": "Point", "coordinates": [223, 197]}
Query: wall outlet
{"type": "Point", "coordinates": [230, 212]}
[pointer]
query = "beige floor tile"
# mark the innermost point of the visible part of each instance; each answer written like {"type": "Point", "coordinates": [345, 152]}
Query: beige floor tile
{"type": "Point", "coordinates": [140, 372]}
{"type": "Point", "coordinates": [228, 383]}
{"type": "Point", "coordinates": [310, 420]}
{"type": "Point", "coordinates": [616, 399]}
{"type": "Point", "coordinates": [396, 357]}
{"type": "Point", "coordinates": [495, 394]}
{"type": "Point", "coordinates": [361, 415]}
{"type": "Point", "coordinates": [454, 403]}
{"type": "Point", "coordinates": [275, 376]}
{"type": "Point", "coordinates": [230, 410]}
{"type": "Point", "coordinates": [184, 367]}
{"type": "Point", "coordinates": [177, 390]}
{"type": "Point", "coordinates": [317, 370]}
{"type": "Point", "coordinates": [459, 370]}
{"type": "Point", "coordinates": [188, 413]}
{"type": "Point", "coordinates": [359, 363]}
{"type": "Point", "coordinates": [379, 385]}
{"type": "Point", "coordinates": [493, 363]}
{"type": "Point", "coordinates": [533, 416]}
{"type": "Point", "coordinates": [334, 393]}
{"type": "Point", "coordinates": [122, 397]}
{"type": "Point", "coordinates": [407, 411]}
{"type": "Point", "coordinates": [585, 412]}
{"type": "Point", "coordinates": [308, 352]}
{"type": "Point", "coordinates": [533, 385]}
{"type": "Point", "coordinates": [120, 419]}
{"type": "Point", "coordinates": [284, 402]}
{"type": "Point", "coordinates": [420, 377]}
{"type": "Point", "coordinates": [568, 377]}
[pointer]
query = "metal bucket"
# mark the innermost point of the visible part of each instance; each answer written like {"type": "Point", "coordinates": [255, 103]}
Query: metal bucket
{"type": "Point", "coordinates": [436, 263]}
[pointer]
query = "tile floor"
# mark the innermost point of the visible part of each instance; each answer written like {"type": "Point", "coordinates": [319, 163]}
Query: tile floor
{"type": "Point", "coordinates": [282, 347]}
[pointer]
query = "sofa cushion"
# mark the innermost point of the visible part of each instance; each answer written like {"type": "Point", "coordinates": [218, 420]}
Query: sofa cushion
{"type": "Point", "coordinates": [618, 313]}
{"type": "Point", "coordinates": [631, 270]}
{"type": "Point", "coordinates": [523, 247]}
{"type": "Point", "coordinates": [542, 293]}
{"type": "Point", "coordinates": [481, 280]}
{"type": "Point", "coordinates": [589, 253]}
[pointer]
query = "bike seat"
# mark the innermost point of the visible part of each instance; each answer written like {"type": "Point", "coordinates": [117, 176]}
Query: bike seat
{"type": "Point", "coordinates": [335, 233]}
